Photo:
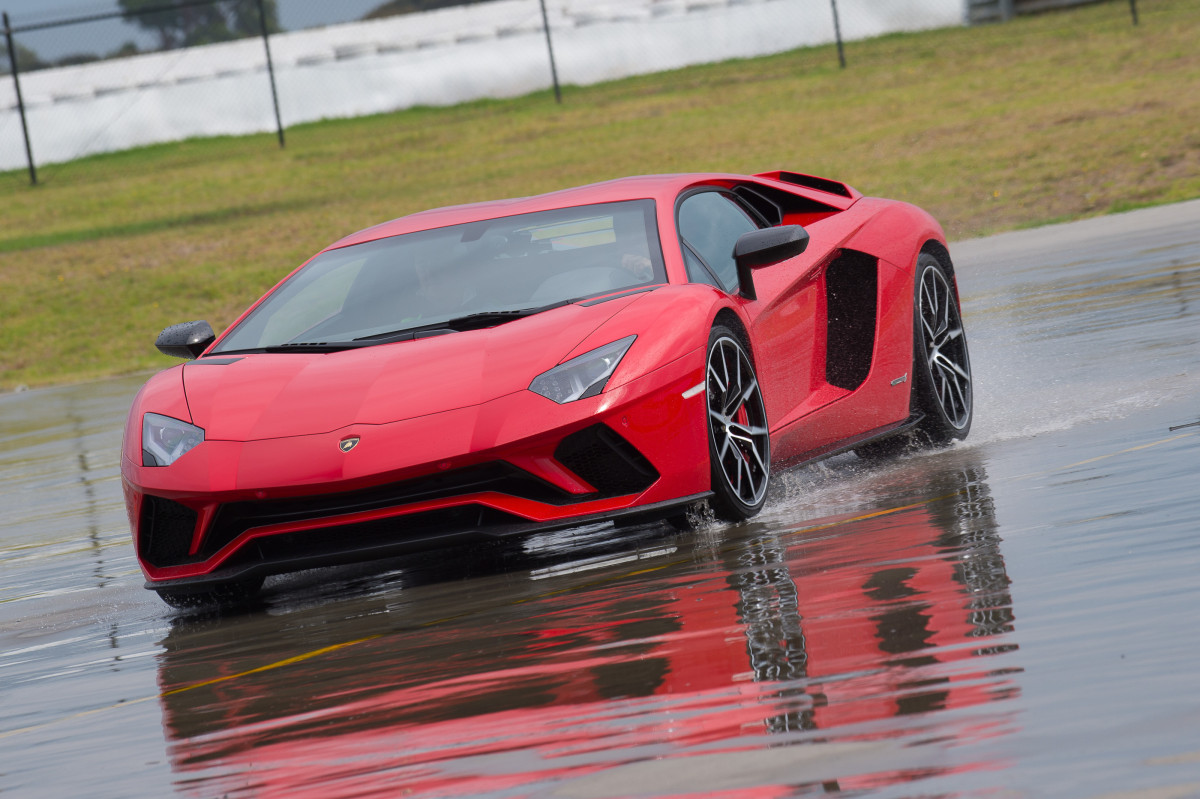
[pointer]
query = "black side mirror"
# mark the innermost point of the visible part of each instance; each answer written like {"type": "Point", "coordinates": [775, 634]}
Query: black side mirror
{"type": "Point", "coordinates": [760, 248]}
{"type": "Point", "coordinates": [186, 340]}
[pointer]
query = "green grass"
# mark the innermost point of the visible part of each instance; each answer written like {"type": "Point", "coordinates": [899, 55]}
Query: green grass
{"type": "Point", "coordinates": [1053, 117]}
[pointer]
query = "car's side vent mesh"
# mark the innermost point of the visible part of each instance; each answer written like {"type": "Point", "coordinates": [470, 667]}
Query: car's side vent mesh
{"type": "Point", "coordinates": [608, 462]}
{"type": "Point", "coordinates": [851, 285]}
{"type": "Point", "coordinates": [165, 532]}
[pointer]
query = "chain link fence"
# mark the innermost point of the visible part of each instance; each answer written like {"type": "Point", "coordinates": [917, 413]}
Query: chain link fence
{"type": "Point", "coordinates": [137, 72]}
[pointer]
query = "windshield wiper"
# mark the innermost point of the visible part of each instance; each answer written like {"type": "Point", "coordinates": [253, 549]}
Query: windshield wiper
{"type": "Point", "coordinates": [473, 321]}
{"type": "Point", "coordinates": [315, 346]}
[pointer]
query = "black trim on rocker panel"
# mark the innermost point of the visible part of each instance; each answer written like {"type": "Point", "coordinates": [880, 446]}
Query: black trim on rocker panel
{"type": "Point", "coordinates": [851, 286]}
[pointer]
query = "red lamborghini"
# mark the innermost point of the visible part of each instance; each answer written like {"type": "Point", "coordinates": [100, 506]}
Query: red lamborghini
{"type": "Point", "coordinates": [625, 350]}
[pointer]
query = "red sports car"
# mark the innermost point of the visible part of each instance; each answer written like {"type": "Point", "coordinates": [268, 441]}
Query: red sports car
{"type": "Point", "coordinates": [626, 350]}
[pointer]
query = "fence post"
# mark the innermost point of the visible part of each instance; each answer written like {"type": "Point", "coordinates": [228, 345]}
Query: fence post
{"type": "Point", "coordinates": [12, 60]}
{"type": "Point", "coordinates": [1007, 10]}
{"type": "Point", "coordinates": [262, 21]}
{"type": "Point", "coordinates": [837, 34]}
{"type": "Point", "coordinates": [550, 49]}
{"type": "Point", "coordinates": [1133, 10]}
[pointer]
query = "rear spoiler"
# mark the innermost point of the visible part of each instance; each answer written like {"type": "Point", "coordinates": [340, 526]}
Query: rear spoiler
{"type": "Point", "coordinates": [812, 182]}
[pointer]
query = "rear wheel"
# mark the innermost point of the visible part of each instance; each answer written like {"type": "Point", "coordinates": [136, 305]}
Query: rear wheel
{"type": "Point", "coordinates": [739, 446]}
{"type": "Point", "coordinates": [942, 385]}
{"type": "Point", "coordinates": [942, 380]}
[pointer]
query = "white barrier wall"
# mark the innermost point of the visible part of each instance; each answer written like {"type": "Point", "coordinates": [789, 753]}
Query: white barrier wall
{"type": "Point", "coordinates": [443, 57]}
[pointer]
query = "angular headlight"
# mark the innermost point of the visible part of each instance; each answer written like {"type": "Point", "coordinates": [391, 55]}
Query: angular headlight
{"type": "Point", "coordinates": [584, 376]}
{"type": "Point", "coordinates": [166, 440]}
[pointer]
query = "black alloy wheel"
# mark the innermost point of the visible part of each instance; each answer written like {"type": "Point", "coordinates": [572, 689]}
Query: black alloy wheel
{"type": "Point", "coordinates": [942, 383]}
{"type": "Point", "coordinates": [739, 445]}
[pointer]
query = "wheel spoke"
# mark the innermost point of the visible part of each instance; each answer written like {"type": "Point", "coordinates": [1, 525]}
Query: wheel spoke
{"type": "Point", "coordinates": [712, 373]}
{"type": "Point", "coordinates": [749, 391]}
{"type": "Point", "coordinates": [946, 364]}
{"type": "Point", "coordinates": [726, 444]}
{"type": "Point", "coordinates": [943, 307]}
{"type": "Point", "coordinates": [747, 431]}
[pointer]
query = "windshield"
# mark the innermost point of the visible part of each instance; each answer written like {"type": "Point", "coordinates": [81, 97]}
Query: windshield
{"type": "Point", "coordinates": [421, 280]}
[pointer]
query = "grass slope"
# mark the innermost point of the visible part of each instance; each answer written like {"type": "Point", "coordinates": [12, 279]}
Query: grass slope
{"type": "Point", "coordinates": [1042, 119]}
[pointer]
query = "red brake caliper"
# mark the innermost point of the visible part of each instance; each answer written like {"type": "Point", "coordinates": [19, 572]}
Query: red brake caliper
{"type": "Point", "coordinates": [742, 418]}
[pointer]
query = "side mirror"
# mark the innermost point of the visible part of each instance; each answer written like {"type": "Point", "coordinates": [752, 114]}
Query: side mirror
{"type": "Point", "coordinates": [760, 248]}
{"type": "Point", "coordinates": [185, 340]}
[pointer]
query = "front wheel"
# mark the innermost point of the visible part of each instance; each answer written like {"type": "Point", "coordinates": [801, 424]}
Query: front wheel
{"type": "Point", "coordinates": [739, 446]}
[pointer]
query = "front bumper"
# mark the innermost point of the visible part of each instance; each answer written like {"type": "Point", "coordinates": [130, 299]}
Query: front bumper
{"type": "Point", "coordinates": [520, 463]}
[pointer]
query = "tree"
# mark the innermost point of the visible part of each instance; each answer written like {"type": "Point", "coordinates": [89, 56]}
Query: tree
{"type": "Point", "coordinates": [394, 8]}
{"type": "Point", "coordinates": [192, 23]}
{"type": "Point", "coordinates": [125, 50]}
{"type": "Point", "coordinates": [27, 60]}
{"type": "Point", "coordinates": [75, 59]}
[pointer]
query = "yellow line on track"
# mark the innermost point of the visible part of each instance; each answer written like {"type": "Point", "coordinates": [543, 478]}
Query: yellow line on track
{"type": "Point", "coordinates": [1125, 451]}
{"type": "Point", "coordinates": [1130, 449]}
{"type": "Point", "coordinates": [277, 664]}
{"type": "Point", "coordinates": [258, 670]}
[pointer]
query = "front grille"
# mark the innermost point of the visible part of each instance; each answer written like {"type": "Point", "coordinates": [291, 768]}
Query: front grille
{"type": "Point", "coordinates": [165, 531]}
{"type": "Point", "coordinates": [235, 518]}
{"type": "Point", "coordinates": [607, 461]}
{"type": "Point", "coordinates": [348, 542]}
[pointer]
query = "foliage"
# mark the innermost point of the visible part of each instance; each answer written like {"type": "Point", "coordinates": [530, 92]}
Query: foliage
{"type": "Point", "coordinates": [396, 7]}
{"type": "Point", "coordinates": [191, 24]}
{"type": "Point", "coordinates": [27, 60]}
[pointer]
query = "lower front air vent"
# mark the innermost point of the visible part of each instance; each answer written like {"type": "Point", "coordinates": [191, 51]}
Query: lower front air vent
{"type": "Point", "coordinates": [165, 532]}
{"type": "Point", "coordinates": [607, 461]}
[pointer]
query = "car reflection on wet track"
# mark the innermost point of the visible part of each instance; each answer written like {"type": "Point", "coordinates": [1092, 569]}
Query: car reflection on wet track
{"type": "Point", "coordinates": [791, 638]}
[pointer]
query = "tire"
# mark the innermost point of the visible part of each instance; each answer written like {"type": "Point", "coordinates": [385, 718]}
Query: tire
{"type": "Point", "coordinates": [942, 387]}
{"type": "Point", "coordinates": [227, 595]}
{"type": "Point", "coordinates": [739, 445]}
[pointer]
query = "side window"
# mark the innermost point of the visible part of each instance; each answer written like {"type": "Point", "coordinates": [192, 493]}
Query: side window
{"type": "Point", "coordinates": [710, 222]}
{"type": "Point", "coordinates": [697, 272]}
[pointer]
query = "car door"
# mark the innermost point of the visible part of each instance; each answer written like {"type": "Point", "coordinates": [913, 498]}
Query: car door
{"type": "Point", "coordinates": [788, 347]}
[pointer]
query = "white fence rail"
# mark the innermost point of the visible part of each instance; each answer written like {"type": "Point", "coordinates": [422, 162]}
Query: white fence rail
{"type": "Point", "coordinates": [443, 57]}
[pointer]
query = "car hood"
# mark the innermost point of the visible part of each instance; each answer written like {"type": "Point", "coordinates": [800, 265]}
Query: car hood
{"type": "Point", "coordinates": [269, 395]}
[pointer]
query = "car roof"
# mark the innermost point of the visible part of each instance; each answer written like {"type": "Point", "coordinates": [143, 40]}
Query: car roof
{"type": "Point", "coordinates": [655, 187]}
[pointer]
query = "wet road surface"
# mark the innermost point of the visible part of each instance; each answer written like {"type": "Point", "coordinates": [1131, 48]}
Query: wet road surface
{"type": "Point", "coordinates": [1015, 616]}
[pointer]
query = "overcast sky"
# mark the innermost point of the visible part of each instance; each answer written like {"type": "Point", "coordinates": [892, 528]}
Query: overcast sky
{"type": "Point", "coordinates": [107, 36]}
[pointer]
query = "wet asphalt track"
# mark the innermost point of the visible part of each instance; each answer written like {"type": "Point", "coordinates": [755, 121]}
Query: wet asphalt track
{"type": "Point", "coordinates": [1013, 617]}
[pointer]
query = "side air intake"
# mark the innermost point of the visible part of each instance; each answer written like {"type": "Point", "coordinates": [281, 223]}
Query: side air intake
{"type": "Point", "coordinates": [165, 532]}
{"type": "Point", "coordinates": [851, 286]}
{"type": "Point", "coordinates": [608, 462]}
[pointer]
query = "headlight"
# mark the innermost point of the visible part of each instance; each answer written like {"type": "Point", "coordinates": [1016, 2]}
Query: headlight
{"type": "Point", "coordinates": [584, 376]}
{"type": "Point", "coordinates": [166, 440]}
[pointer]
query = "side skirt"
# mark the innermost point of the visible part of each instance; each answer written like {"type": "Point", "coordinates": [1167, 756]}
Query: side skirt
{"type": "Point", "coordinates": [879, 434]}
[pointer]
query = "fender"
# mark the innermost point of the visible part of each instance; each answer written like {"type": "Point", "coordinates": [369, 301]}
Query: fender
{"type": "Point", "coordinates": [898, 232]}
